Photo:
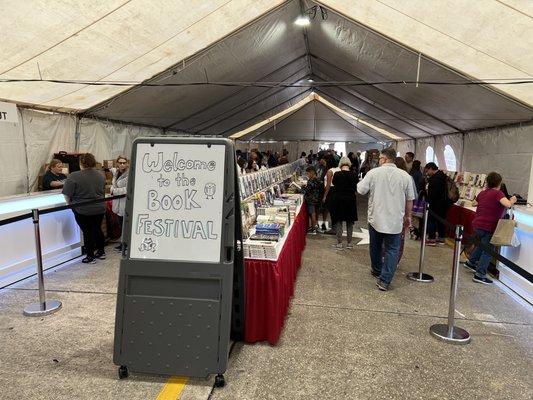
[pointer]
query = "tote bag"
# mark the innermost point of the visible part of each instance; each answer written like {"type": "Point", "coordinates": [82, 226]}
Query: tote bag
{"type": "Point", "coordinates": [504, 235]}
{"type": "Point", "coordinates": [418, 208]}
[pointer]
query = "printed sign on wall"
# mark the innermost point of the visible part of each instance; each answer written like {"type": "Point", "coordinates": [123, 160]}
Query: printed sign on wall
{"type": "Point", "coordinates": [178, 202]}
{"type": "Point", "coordinates": [8, 112]}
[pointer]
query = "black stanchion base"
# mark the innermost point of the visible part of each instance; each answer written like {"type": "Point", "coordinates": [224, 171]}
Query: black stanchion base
{"type": "Point", "coordinates": [420, 277]}
{"type": "Point", "coordinates": [458, 335]}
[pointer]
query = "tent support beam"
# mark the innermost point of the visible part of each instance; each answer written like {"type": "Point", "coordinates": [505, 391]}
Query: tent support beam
{"type": "Point", "coordinates": [353, 110]}
{"type": "Point", "coordinates": [225, 133]}
{"type": "Point", "coordinates": [274, 123]}
{"type": "Point", "coordinates": [389, 95]}
{"type": "Point", "coordinates": [237, 92]}
{"type": "Point", "coordinates": [366, 115]}
{"type": "Point", "coordinates": [349, 92]}
{"type": "Point", "coordinates": [252, 104]}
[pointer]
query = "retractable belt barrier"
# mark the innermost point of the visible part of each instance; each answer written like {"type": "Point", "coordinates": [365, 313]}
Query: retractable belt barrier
{"type": "Point", "coordinates": [46, 307]}
{"type": "Point", "coordinates": [449, 332]}
{"type": "Point", "coordinates": [21, 217]}
{"type": "Point", "coordinates": [488, 249]}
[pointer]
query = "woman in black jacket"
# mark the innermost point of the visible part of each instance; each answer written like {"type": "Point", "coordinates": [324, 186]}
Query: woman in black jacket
{"type": "Point", "coordinates": [343, 202]}
{"type": "Point", "coordinates": [418, 177]}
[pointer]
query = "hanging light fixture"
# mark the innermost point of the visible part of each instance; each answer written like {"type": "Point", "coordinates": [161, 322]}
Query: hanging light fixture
{"type": "Point", "coordinates": [302, 20]}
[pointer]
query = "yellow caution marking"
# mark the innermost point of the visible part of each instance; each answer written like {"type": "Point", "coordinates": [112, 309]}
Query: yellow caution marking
{"type": "Point", "coordinates": [173, 388]}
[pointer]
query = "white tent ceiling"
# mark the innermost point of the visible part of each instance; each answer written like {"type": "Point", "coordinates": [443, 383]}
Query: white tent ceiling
{"type": "Point", "coordinates": [177, 42]}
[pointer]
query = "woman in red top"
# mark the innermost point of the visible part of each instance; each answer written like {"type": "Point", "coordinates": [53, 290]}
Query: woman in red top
{"type": "Point", "coordinates": [491, 205]}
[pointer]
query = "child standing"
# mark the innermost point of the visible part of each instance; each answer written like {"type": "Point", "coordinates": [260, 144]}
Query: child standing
{"type": "Point", "coordinates": [312, 197]}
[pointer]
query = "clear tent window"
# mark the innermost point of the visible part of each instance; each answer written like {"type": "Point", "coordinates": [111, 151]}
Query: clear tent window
{"type": "Point", "coordinates": [449, 158]}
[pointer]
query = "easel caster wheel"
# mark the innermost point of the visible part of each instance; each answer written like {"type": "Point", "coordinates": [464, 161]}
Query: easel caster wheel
{"type": "Point", "coordinates": [123, 372]}
{"type": "Point", "coordinates": [220, 381]}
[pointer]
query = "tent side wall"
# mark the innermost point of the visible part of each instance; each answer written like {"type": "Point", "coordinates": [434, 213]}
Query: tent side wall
{"type": "Point", "coordinates": [507, 150]}
{"type": "Point", "coordinates": [30, 143]}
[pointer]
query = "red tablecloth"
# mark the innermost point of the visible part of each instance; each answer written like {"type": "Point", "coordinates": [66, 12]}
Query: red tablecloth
{"type": "Point", "coordinates": [458, 215]}
{"type": "Point", "coordinates": [270, 286]}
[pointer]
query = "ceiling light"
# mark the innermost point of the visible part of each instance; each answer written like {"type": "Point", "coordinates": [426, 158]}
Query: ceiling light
{"type": "Point", "coordinates": [310, 80]}
{"type": "Point", "coordinates": [303, 20]}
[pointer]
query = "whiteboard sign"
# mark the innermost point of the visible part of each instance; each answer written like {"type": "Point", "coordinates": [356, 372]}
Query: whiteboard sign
{"type": "Point", "coordinates": [177, 202]}
{"type": "Point", "coordinates": [8, 112]}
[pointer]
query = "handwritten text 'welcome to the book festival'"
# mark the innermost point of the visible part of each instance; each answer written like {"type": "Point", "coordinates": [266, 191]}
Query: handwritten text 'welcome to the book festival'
{"type": "Point", "coordinates": [177, 208]}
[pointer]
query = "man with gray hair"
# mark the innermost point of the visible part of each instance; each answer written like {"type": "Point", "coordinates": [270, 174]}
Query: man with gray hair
{"type": "Point", "coordinates": [390, 202]}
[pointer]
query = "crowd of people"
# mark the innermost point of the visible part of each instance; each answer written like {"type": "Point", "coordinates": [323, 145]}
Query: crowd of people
{"type": "Point", "coordinates": [86, 185]}
{"type": "Point", "coordinates": [392, 185]}
{"type": "Point", "coordinates": [255, 160]}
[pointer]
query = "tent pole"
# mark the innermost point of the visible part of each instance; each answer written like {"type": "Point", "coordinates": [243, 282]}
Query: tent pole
{"type": "Point", "coordinates": [77, 134]}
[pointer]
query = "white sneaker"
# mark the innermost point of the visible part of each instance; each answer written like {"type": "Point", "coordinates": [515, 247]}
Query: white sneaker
{"type": "Point", "coordinates": [338, 247]}
{"type": "Point", "coordinates": [349, 246]}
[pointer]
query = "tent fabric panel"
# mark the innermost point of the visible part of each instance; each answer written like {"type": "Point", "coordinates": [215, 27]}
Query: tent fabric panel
{"type": "Point", "coordinates": [506, 150]}
{"type": "Point", "coordinates": [341, 101]}
{"type": "Point", "coordinates": [45, 134]}
{"type": "Point", "coordinates": [382, 100]}
{"type": "Point", "coordinates": [314, 121]}
{"type": "Point", "coordinates": [499, 50]}
{"type": "Point", "coordinates": [133, 43]}
{"type": "Point", "coordinates": [247, 56]}
{"type": "Point", "coordinates": [360, 147]}
{"type": "Point", "coordinates": [405, 146]}
{"type": "Point", "coordinates": [256, 109]}
{"type": "Point", "coordinates": [373, 58]}
{"type": "Point", "coordinates": [14, 177]}
{"type": "Point", "coordinates": [293, 72]}
{"type": "Point", "coordinates": [376, 112]}
{"type": "Point", "coordinates": [259, 112]}
{"type": "Point", "coordinates": [107, 140]}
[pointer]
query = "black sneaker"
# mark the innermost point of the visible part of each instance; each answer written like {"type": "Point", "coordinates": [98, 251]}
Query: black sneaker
{"type": "Point", "coordinates": [88, 260]}
{"type": "Point", "coordinates": [484, 281]}
{"type": "Point", "coordinates": [374, 273]}
{"type": "Point", "coordinates": [119, 247]}
{"type": "Point", "coordinates": [382, 285]}
{"type": "Point", "coordinates": [100, 255]}
{"type": "Point", "coordinates": [468, 266]}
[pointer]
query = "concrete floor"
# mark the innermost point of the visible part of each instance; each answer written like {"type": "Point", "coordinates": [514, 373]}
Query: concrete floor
{"type": "Point", "coordinates": [343, 338]}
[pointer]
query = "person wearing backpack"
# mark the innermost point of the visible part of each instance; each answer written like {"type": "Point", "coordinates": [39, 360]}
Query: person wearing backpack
{"type": "Point", "coordinates": [439, 203]}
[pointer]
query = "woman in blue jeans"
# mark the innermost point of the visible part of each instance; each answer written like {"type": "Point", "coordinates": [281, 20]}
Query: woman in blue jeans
{"type": "Point", "coordinates": [491, 206]}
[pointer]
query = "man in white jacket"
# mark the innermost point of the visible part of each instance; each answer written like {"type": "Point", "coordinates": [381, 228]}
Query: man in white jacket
{"type": "Point", "coordinates": [390, 202]}
{"type": "Point", "coordinates": [119, 186]}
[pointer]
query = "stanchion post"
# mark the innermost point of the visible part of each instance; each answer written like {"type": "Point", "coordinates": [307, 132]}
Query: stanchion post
{"type": "Point", "coordinates": [449, 332]}
{"type": "Point", "coordinates": [43, 307]}
{"type": "Point", "coordinates": [420, 276]}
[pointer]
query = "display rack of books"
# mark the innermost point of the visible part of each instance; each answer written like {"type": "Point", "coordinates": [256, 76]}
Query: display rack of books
{"type": "Point", "coordinates": [470, 184]}
{"type": "Point", "coordinates": [269, 204]}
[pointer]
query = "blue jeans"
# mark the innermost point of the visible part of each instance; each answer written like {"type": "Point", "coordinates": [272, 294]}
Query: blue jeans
{"type": "Point", "coordinates": [389, 244]}
{"type": "Point", "coordinates": [479, 258]}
